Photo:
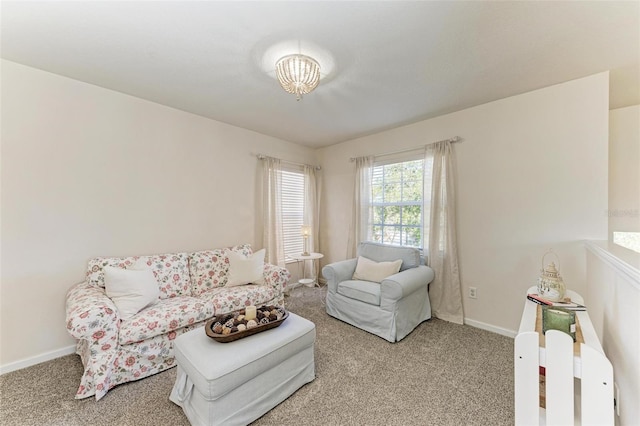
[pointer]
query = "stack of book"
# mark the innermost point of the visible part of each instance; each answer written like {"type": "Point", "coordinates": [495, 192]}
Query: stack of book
{"type": "Point", "coordinates": [566, 304]}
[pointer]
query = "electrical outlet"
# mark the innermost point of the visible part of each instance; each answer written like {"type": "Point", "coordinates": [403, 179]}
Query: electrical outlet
{"type": "Point", "coordinates": [473, 292]}
{"type": "Point", "coordinates": [616, 398]}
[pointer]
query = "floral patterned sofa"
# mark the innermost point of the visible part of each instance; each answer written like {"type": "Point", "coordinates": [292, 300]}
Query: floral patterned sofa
{"type": "Point", "coordinates": [192, 290]}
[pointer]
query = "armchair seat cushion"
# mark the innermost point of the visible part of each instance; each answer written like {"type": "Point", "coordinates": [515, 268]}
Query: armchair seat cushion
{"type": "Point", "coordinates": [164, 317]}
{"type": "Point", "coordinates": [364, 291]}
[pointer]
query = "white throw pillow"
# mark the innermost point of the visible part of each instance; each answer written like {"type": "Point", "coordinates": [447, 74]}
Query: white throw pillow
{"type": "Point", "coordinates": [131, 289]}
{"type": "Point", "coordinates": [244, 270]}
{"type": "Point", "coordinates": [369, 270]}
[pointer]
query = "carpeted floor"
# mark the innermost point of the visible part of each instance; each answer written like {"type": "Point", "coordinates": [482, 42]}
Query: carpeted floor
{"type": "Point", "coordinates": [441, 374]}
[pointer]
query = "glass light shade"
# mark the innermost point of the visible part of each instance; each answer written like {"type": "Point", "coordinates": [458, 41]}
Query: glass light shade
{"type": "Point", "coordinates": [305, 231]}
{"type": "Point", "coordinates": [298, 74]}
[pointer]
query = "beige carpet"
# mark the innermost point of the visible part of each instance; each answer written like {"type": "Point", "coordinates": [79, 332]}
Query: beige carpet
{"type": "Point", "coordinates": [441, 374]}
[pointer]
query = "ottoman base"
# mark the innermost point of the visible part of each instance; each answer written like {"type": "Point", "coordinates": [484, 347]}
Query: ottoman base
{"type": "Point", "coordinates": [241, 394]}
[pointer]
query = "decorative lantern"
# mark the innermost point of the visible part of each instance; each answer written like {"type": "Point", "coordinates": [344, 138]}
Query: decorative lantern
{"type": "Point", "coordinates": [550, 284]}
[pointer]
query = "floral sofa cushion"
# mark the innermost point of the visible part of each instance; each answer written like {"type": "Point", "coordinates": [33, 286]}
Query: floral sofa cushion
{"type": "Point", "coordinates": [171, 271]}
{"type": "Point", "coordinates": [228, 299]}
{"type": "Point", "coordinates": [209, 268]}
{"type": "Point", "coordinates": [166, 316]}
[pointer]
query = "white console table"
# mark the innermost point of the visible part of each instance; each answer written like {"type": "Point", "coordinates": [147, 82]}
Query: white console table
{"type": "Point", "coordinates": [562, 364]}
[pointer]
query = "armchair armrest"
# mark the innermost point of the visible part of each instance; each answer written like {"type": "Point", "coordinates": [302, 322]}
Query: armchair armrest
{"type": "Point", "coordinates": [337, 272]}
{"type": "Point", "coordinates": [92, 316]}
{"type": "Point", "coordinates": [404, 283]}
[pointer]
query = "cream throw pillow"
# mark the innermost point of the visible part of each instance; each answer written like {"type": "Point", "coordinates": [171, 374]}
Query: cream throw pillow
{"type": "Point", "coordinates": [131, 289]}
{"type": "Point", "coordinates": [244, 270]}
{"type": "Point", "coordinates": [369, 270]}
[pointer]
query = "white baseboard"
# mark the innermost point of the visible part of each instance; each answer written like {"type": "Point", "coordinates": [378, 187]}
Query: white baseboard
{"type": "Point", "coordinates": [492, 328]}
{"type": "Point", "coordinates": [28, 362]}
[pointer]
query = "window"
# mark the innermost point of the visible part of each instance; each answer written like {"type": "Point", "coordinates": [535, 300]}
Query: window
{"type": "Point", "coordinates": [292, 198]}
{"type": "Point", "coordinates": [630, 240]}
{"type": "Point", "coordinates": [397, 203]}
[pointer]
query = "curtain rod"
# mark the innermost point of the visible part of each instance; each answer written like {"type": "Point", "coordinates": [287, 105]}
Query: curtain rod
{"type": "Point", "coordinates": [262, 157]}
{"type": "Point", "coordinates": [454, 139]}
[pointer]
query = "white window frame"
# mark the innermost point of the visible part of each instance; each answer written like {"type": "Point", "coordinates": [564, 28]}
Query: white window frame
{"type": "Point", "coordinates": [292, 198]}
{"type": "Point", "coordinates": [423, 226]}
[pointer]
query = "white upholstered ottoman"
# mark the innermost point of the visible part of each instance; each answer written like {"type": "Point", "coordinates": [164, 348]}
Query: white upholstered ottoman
{"type": "Point", "coordinates": [237, 382]}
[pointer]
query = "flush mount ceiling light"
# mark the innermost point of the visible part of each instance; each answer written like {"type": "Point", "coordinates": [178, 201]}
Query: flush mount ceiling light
{"type": "Point", "coordinates": [298, 74]}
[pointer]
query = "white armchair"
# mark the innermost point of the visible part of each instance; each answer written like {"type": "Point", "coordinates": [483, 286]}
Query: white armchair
{"type": "Point", "coordinates": [390, 309]}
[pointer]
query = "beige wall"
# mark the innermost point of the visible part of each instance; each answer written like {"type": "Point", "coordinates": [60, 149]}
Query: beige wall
{"type": "Point", "coordinates": [88, 171]}
{"type": "Point", "coordinates": [532, 175]}
{"type": "Point", "coordinates": [624, 170]}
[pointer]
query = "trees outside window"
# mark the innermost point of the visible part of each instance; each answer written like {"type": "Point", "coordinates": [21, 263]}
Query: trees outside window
{"type": "Point", "coordinates": [397, 203]}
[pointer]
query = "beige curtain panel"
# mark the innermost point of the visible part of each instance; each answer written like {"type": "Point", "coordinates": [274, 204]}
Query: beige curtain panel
{"type": "Point", "coordinates": [444, 291]}
{"type": "Point", "coordinates": [311, 211]}
{"type": "Point", "coordinates": [272, 210]}
{"type": "Point", "coordinates": [361, 210]}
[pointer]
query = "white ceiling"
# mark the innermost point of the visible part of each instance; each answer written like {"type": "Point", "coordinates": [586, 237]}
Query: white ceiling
{"type": "Point", "coordinates": [389, 63]}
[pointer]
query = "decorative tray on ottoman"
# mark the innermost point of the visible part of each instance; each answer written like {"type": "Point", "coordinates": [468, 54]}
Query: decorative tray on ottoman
{"type": "Point", "coordinates": [233, 326]}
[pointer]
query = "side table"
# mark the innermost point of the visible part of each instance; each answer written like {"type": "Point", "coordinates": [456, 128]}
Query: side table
{"type": "Point", "coordinates": [312, 279]}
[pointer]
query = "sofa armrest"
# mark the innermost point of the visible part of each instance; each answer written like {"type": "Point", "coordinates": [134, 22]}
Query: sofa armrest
{"type": "Point", "coordinates": [404, 283]}
{"type": "Point", "coordinates": [277, 277]}
{"type": "Point", "coordinates": [337, 272]}
{"type": "Point", "coordinates": [92, 316]}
